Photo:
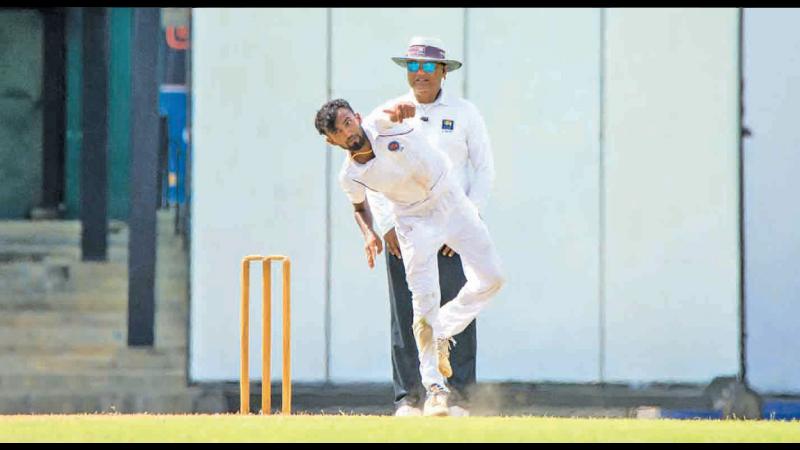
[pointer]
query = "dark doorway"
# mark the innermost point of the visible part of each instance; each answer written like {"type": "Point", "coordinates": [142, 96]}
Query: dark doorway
{"type": "Point", "coordinates": [32, 106]}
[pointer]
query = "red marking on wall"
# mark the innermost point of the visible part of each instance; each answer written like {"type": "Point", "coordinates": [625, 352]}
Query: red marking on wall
{"type": "Point", "coordinates": [178, 37]}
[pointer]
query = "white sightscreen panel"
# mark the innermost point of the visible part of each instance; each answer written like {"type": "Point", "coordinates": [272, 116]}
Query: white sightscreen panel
{"type": "Point", "coordinates": [258, 180]}
{"type": "Point", "coordinates": [772, 212]}
{"type": "Point", "coordinates": [671, 170]}
{"type": "Point", "coordinates": [534, 74]}
{"type": "Point", "coordinates": [364, 40]}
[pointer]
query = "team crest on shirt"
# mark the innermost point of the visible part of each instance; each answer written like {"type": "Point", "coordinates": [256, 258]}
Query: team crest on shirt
{"type": "Point", "coordinates": [395, 146]}
{"type": "Point", "coordinates": [447, 125]}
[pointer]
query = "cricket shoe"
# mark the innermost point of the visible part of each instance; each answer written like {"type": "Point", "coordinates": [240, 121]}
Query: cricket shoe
{"type": "Point", "coordinates": [443, 350]}
{"type": "Point", "coordinates": [407, 410]}
{"type": "Point", "coordinates": [436, 401]}
{"type": "Point", "coordinates": [459, 411]}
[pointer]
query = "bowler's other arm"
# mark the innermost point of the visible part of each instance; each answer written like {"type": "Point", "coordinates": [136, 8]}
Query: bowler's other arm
{"type": "Point", "coordinates": [372, 242]}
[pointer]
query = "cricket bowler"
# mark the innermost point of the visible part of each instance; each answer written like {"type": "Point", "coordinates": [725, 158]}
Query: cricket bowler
{"type": "Point", "coordinates": [430, 209]}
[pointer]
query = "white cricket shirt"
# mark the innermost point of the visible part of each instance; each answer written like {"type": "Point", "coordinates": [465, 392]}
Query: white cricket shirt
{"type": "Point", "coordinates": [405, 169]}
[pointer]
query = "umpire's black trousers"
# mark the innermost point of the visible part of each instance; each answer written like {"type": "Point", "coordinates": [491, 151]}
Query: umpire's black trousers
{"type": "Point", "coordinates": [405, 358]}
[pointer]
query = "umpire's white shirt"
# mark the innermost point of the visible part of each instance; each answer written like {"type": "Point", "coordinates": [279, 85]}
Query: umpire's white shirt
{"type": "Point", "coordinates": [454, 126]}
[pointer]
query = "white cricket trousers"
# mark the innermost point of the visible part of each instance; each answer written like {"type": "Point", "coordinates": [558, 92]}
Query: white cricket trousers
{"type": "Point", "coordinates": [450, 219]}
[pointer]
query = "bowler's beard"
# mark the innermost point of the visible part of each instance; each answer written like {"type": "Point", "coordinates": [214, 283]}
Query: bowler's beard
{"type": "Point", "coordinates": [358, 142]}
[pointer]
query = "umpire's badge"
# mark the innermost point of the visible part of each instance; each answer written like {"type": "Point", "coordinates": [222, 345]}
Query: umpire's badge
{"type": "Point", "coordinates": [447, 125]}
{"type": "Point", "coordinates": [395, 146]}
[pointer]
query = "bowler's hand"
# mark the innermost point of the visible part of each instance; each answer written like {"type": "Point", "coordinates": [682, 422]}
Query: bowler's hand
{"type": "Point", "coordinates": [392, 245]}
{"type": "Point", "coordinates": [447, 251]}
{"type": "Point", "coordinates": [400, 111]}
{"type": "Point", "coordinates": [373, 247]}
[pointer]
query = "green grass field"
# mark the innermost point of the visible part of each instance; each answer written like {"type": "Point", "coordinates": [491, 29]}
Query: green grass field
{"type": "Point", "coordinates": [347, 428]}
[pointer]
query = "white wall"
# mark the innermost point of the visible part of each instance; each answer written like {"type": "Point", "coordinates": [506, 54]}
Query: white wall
{"type": "Point", "coordinates": [534, 73]}
{"type": "Point", "coordinates": [671, 161]}
{"type": "Point", "coordinates": [772, 212]}
{"type": "Point", "coordinates": [671, 197]}
{"type": "Point", "coordinates": [258, 180]}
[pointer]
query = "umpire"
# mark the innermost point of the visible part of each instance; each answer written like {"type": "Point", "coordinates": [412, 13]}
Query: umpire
{"type": "Point", "coordinates": [455, 126]}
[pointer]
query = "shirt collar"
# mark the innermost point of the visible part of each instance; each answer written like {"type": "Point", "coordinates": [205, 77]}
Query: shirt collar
{"type": "Point", "coordinates": [371, 134]}
{"type": "Point", "coordinates": [443, 98]}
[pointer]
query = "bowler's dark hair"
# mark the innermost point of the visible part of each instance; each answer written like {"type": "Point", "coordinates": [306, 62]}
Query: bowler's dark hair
{"type": "Point", "coordinates": [326, 116]}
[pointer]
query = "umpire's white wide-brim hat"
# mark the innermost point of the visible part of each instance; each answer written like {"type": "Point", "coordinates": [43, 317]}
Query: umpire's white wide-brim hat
{"type": "Point", "coordinates": [426, 49]}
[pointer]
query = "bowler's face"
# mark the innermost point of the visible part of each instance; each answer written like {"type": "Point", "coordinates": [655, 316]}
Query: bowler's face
{"type": "Point", "coordinates": [348, 134]}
